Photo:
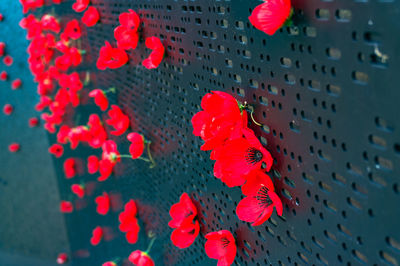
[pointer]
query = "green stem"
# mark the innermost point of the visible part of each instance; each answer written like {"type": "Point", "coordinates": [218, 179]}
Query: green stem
{"type": "Point", "coordinates": [150, 245]}
{"type": "Point", "coordinates": [112, 90]}
{"type": "Point", "coordinates": [153, 163]}
{"type": "Point", "coordinates": [144, 159]}
{"type": "Point", "coordinates": [125, 156]}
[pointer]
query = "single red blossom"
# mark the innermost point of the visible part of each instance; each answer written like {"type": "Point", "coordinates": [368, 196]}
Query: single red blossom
{"type": "Point", "coordinates": [103, 204]}
{"type": "Point", "coordinates": [182, 211]}
{"type": "Point", "coordinates": [31, 5]}
{"type": "Point", "coordinates": [1, 17]}
{"type": "Point", "coordinates": [78, 134]}
{"type": "Point", "coordinates": [78, 190]}
{"type": "Point", "coordinates": [80, 5]}
{"type": "Point", "coordinates": [129, 19]}
{"type": "Point", "coordinates": [98, 134]}
{"type": "Point", "coordinates": [156, 56]}
{"type": "Point", "coordinates": [8, 109]}
{"type": "Point", "coordinates": [57, 1]}
{"type": "Point", "coordinates": [45, 101]}
{"type": "Point", "coordinates": [137, 144]}
{"type": "Point", "coordinates": [2, 48]}
{"type": "Point", "coordinates": [216, 123]}
{"type": "Point", "coordinates": [3, 75]}
{"type": "Point", "coordinates": [91, 17]}
{"type": "Point", "coordinates": [8, 60]}
{"type": "Point", "coordinates": [271, 15]}
{"type": "Point", "coordinates": [32, 25]}
{"type": "Point", "coordinates": [109, 263]}
{"type": "Point", "coordinates": [93, 164]}
{"type": "Point", "coordinates": [14, 147]}
{"type": "Point", "coordinates": [110, 157]}
{"type": "Point", "coordinates": [100, 99]}
{"type": "Point", "coordinates": [129, 223]}
{"type": "Point", "coordinates": [17, 83]}
{"type": "Point", "coordinates": [66, 206]}
{"type": "Point", "coordinates": [185, 235]}
{"type": "Point", "coordinates": [72, 31]}
{"type": "Point", "coordinates": [238, 157]}
{"type": "Point", "coordinates": [57, 150]}
{"type": "Point", "coordinates": [62, 258]}
{"type": "Point", "coordinates": [70, 168]}
{"type": "Point", "coordinates": [50, 23]}
{"type": "Point", "coordinates": [221, 246]}
{"type": "Point", "coordinates": [187, 229]}
{"type": "Point", "coordinates": [140, 258]}
{"type": "Point", "coordinates": [97, 235]}
{"type": "Point", "coordinates": [110, 57]}
{"type": "Point", "coordinates": [261, 199]}
{"type": "Point", "coordinates": [33, 122]}
{"type": "Point", "coordinates": [118, 120]}
{"type": "Point", "coordinates": [126, 38]}
{"type": "Point", "coordinates": [62, 135]}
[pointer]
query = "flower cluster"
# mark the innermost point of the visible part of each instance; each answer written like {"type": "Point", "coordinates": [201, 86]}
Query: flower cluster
{"type": "Point", "coordinates": [127, 35]}
{"type": "Point", "coordinates": [240, 158]}
{"type": "Point", "coordinates": [184, 222]}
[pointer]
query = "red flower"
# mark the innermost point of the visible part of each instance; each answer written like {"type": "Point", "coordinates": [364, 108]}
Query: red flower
{"type": "Point", "coordinates": [216, 123]}
{"type": "Point", "coordinates": [78, 190]}
{"type": "Point", "coordinates": [118, 120]}
{"type": "Point", "coordinates": [261, 199]}
{"type": "Point", "coordinates": [129, 223]}
{"type": "Point", "coordinates": [237, 157]}
{"type": "Point", "coordinates": [62, 135]}
{"type": "Point", "coordinates": [221, 246]}
{"type": "Point", "coordinates": [111, 57]}
{"type": "Point", "coordinates": [156, 56]}
{"type": "Point", "coordinates": [140, 258]}
{"type": "Point", "coordinates": [137, 146]}
{"type": "Point", "coordinates": [182, 211]}
{"type": "Point", "coordinates": [80, 5]}
{"type": "Point", "coordinates": [8, 60]}
{"type": "Point", "coordinates": [100, 99]}
{"type": "Point", "coordinates": [3, 75]}
{"type": "Point", "coordinates": [33, 122]}
{"type": "Point", "coordinates": [103, 204]}
{"type": "Point", "coordinates": [1, 17]}
{"type": "Point", "coordinates": [44, 102]}
{"type": "Point", "coordinates": [93, 164]}
{"type": "Point", "coordinates": [57, 150]}
{"type": "Point", "coordinates": [50, 23]}
{"type": "Point", "coordinates": [70, 168]}
{"type": "Point", "coordinates": [127, 34]}
{"type": "Point", "coordinates": [97, 235]}
{"type": "Point", "coordinates": [110, 157]}
{"type": "Point", "coordinates": [72, 31]}
{"type": "Point", "coordinates": [14, 147]}
{"type": "Point", "coordinates": [98, 134]}
{"type": "Point", "coordinates": [91, 17]}
{"type": "Point", "coordinates": [8, 109]}
{"type": "Point", "coordinates": [126, 38]}
{"type": "Point", "coordinates": [31, 4]}
{"type": "Point", "coordinates": [109, 263]}
{"type": "Point", "coordinates": [16, 84]}
{"type": "Point", "coordinates": [66, 206]}
{"type": "Point", "coordinates": [183, 214]}
{"type": "Point", "coordinates": [271, 15]}
{"type": "Point", "coordinates": [62, 258]}
{"type": "Point", "coordinates": [2, 48]}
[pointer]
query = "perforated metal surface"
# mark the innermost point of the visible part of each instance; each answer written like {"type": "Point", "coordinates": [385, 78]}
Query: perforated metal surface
{"type": "Point", "coordinates": [327, 95]}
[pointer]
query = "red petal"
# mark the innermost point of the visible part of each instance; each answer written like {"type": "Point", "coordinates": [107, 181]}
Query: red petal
{"type": "Point", "coordinates": [271, 15]}
{"type": "Point", "coordinates": [183, 238]}
{"type": "Point", "coordinates": [249, 209]}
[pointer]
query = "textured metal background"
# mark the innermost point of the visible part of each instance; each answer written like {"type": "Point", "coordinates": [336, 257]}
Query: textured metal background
{"type": "Point", "coordinates": [329, 105]}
